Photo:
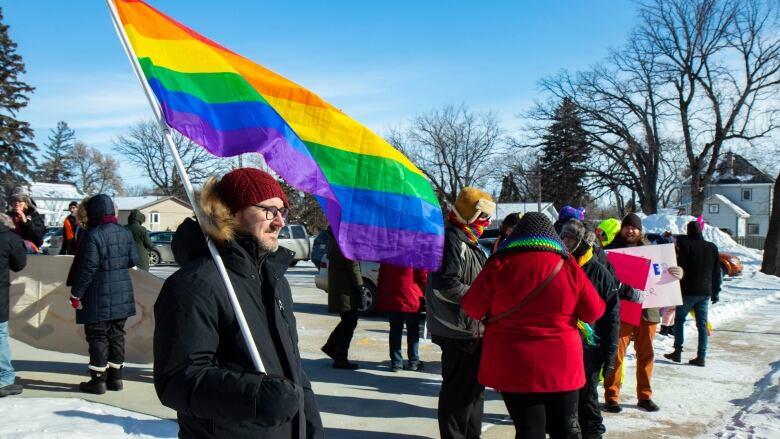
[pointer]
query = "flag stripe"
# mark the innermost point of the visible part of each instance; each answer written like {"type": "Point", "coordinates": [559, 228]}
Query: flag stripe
{"type": "Point", "coordinates": [189, 114]}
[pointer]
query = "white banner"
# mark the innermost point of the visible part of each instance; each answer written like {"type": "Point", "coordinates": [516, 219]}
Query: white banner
{"type": "Point", "coordinates": [663, 289]}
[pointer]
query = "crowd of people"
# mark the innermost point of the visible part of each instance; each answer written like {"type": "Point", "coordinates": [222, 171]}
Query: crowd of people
{"type": "Point", "coordinates": [538, 320]}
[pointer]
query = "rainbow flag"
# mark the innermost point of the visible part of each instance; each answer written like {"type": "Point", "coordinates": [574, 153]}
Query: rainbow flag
{"type": "Point", "coordinates": [380, 205]}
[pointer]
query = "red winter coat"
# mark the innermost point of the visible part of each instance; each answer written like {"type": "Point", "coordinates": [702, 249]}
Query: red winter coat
{"type": "Point", "coordinates": [400, 289]}
{"type": "Point", "coordinates": [537, 348]}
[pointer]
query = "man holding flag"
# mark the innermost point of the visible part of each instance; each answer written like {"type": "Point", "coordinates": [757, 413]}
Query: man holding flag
{"type": "Point", "coordinates": [202, 367]}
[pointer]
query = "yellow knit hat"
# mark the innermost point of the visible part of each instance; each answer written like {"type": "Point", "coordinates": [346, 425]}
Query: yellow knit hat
{"type": "Point", "coordinates": [471, 203]}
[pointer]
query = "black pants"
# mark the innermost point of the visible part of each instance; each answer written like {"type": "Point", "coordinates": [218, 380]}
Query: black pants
{"type": "Point", "coordinates": [342, 334]}
{"type": "Point", "coordinates": [106, 342]}
{"type": "Point", "coordinates": [462, 398]}
{"type": "Point", "coordinates": [591, 421]}
{"type": "Point", "coordinates": [535, 413]}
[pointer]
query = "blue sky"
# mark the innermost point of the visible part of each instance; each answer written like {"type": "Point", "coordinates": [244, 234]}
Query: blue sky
{"type": "Point", "coordinates": [380, 62]}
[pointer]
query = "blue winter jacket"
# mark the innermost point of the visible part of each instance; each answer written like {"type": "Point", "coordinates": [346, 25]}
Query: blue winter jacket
{"type": "Point", "coordinates": [104, 255]}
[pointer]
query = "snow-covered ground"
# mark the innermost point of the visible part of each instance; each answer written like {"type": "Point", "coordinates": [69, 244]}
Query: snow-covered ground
{"type": "Point", "coordinates": [50, 418]}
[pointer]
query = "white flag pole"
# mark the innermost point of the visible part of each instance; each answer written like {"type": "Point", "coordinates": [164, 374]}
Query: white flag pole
{"type": "Point", "coordinates": [255, 354]}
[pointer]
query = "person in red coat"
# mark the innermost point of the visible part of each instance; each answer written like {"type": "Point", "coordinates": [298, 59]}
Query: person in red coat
{"type": "Point", "coordinates": [533, 355]}
{"type": "Point", "coordinates": [400, 295]}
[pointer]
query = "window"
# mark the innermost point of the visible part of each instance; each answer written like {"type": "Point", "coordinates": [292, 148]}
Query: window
{"type": "Point", "coordinates": [298, 232]}
{"type": "Point", "coordinates": [747, 194]}
{"type": "Point", "coordinates": [154, 218]}
{"type": "Point", "coordinates": [284, 233]}
{"type": "Point", "coordinates": [753, 229]}
{"type": "Point", "coordinates": [713, 208]}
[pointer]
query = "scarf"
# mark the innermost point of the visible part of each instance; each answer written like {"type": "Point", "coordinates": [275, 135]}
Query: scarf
{"type": "Point", "coordinates": [474, 230]}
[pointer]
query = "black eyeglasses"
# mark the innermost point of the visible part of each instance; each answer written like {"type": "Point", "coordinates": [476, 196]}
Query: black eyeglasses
{"type": "Point", "coordinates": [271, 211]}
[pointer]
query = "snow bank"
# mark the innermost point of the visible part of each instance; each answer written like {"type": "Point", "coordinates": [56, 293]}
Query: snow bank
{"type": "Point", "coordinates": [677, 224]}
{"type": "Point", "coordinates": [44, 418]}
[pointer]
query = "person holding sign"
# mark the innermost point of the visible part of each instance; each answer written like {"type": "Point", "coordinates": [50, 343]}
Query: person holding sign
{"type": "Point", "coordinates": [631, 235]}
{"type": "Point", "coordinates": [700, 260]}
{"type": "Point", "coordinates": [599, 357]}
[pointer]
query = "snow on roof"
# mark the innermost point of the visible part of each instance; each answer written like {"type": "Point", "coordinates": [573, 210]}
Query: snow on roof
{"type": "Point", "coordinates": [39, 191]}
{"type": "Point", "coordinates": [730, 204]}
{"type": "Point", "coordinates": [504, 209]}
{"type": "Point", "coordinates": [130, 203]}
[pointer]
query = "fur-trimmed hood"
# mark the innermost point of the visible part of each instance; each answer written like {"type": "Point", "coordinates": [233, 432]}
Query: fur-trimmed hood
{"type": "Point", "coordinates": [216, 217]}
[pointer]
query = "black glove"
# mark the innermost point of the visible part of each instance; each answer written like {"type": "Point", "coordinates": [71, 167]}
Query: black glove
{"type": "Point", "coordinates": [715, 298]}
{"type": "Point", "coordinates": [277, 401]}
{"type": "Point", "coordinates": [607, 370]}
{"type": "Point", "coordinates": [362, 295]}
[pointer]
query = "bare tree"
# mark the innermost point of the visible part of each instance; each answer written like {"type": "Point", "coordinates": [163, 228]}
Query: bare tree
{"type": "Point", "coordinates": [771, 261]}
{"type": "Point", "coordinates": [145, 146]}
{"type": "Point", "coordinates": [723, 59]}
{"type": "Point", "coordinates": [93, 171]}
{"type": "Point", "coordinates": [454, 147]}
{"type": "Point", "coordinates": [620, 106]}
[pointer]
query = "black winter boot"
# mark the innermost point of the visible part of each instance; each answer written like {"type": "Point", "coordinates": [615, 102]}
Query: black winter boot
{"type": "Point", "coordinates": [114, 378]}
{"type": "Point", "coordinates": [96, 385]}
{"type": "Point", "coordinates": [674, 356]}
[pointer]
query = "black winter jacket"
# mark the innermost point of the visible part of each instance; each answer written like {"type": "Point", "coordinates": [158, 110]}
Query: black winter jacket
{"type": "Point", "coordinates": [33, 229]}
{"type": "Point", "coordinates": [101, 278]}
{"type": "Point", "coordinates": [461, 263]}
{"type": "Point", "coordinates": [607, 327]}
{"type": "Point", "coordinates": [12, 257]}
{"type": "Point", "coordinates": [700, 261]}
{"type": "Point", "coordinates": [202, 367]}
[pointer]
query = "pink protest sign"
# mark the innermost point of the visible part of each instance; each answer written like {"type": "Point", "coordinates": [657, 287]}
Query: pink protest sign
{"type": "Point", "coordinates": [662, 288]}
{"type": "Point", "coordinates": [630, 312]}
{"type": "Point", "coordinates": [633, 271]}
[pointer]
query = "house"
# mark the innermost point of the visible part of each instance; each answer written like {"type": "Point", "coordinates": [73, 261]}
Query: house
{"type": "Point", "coordinates": [52, 199]}
{"type": "Point", "coordinates": [504, 209]}
{"type": "Point", "coordinates": [738, 199]}
{"type": "Point", "coordinates": [162, 212]}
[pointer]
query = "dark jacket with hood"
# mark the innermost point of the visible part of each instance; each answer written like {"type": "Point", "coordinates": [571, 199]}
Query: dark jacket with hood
{"type": "Point", "coordinates": [33, 229]}
{"type": "Point", "coordinates": [101, 278]}
{"type": "Point", "coordinates": [202, 367]}
{"type": "Point", "coordinates": [650, 315]}
{"type": "Point", "coordinates": [12, 257]}
{"type": "Point", "coordinates": [700, 261]}
{"type": "Point", "coordinates": [345, 280]}
{"type": "Point", "coordinates": [461, 263]}
{"type": "Point", "coordinates": [607, 327]}
{"type": "Point", "coordinates": [143, 245]}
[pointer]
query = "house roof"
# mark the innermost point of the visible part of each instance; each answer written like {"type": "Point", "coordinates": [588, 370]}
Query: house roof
{"type": "Point", "coordinates": [733, 168]}
{"type": "Point", "coordinates": [41, 191]}
{"type": "Point", "coordinates": [130, 203]}
{"type": "Point", "coordinates": [728, 203]}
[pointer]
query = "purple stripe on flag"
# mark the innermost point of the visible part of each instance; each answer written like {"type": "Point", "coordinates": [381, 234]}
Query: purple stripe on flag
{"type": "Point", "coordinates": [297, 167]}
{"type": "Point", "coordinates": [404, 248]}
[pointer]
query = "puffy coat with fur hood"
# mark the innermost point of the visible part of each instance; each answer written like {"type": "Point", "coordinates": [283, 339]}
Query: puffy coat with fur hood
{"type": "Point", "coordinates": [202, 367]}
{"type": "Point", "coordinates": [12, 257]}
{"type": "Point", "coordinates": [100, 268]}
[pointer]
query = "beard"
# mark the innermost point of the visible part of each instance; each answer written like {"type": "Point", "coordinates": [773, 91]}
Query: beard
{"type": "Point", "coordinates": [266, 245]}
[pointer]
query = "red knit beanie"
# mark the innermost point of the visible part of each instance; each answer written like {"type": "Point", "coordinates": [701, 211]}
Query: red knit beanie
{"type": "Point", "coordinates": [244, 187]}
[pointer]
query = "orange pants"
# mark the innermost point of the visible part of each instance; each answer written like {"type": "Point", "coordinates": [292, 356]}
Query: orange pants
{"type": "Point", "coordinates": [643, 345]}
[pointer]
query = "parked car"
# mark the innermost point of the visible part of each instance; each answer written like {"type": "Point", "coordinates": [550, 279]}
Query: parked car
{"type": "Point", "coordinates": [730, 265]}
{"type": "Point", "coordinates": [319, 247]}
{"type": "Point", "coordinates": [161, 252]}
{"type": "Point", "coordinates": [52, 240]}
{"type": "Point", "coordinates": [370, 272]}
{"type": "Point", "coordinates": [295, 237]}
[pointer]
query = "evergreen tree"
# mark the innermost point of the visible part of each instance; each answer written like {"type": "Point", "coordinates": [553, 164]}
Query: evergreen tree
{"type": "Point", "coordinates": [55, 169]}
{"type": "Point", "coordinates": [564, 151]}
{"type": "Point", "coordinates": [16, 147]}
{"type": "Point", "coordinates": [510, 193]}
